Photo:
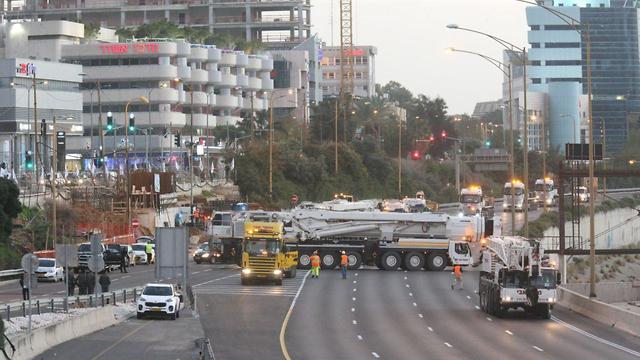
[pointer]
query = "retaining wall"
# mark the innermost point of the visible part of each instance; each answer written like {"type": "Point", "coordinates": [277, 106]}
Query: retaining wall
{"type": "Point", "coordinates": [609, 292]}
{"type": "Point", "coordinates": [44, 338]}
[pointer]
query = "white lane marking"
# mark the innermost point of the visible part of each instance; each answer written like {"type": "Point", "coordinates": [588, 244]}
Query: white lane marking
{"type": "Point", "coordinates": [283, 329]}
{"type": "Point", "coordinates": [126, 276]}
{"type": "Point", "coordinates": [430, 328]}
{"type": "Point", "coordinates": [375, 355]}
{"type": "Point", "coordinates": [59, 292]}
{"type": "Point", "coordinates": [468, 297]}
{"type": "Point", "coordinates": [405, 278]}
{"type": "Point", "coordinates": [354, 299]}
{"type": "Point", "coordinates": [448, 345]}
{"type": "Point", "coordinates": [197, 272]}
{"type": "Point", "coordinates": [355, 322]}
{"type": "Point", "coordinates": [207, 270]}
{"type": "Point", "coordinates": [596, 338]}
{"type": "Point", "coordinates": [355, 281]}
{"type": "Point", "coordinates": [477, 307]}
{"type": "Point", "coordinates": [490, 319]}
{"type": "Point", "coordinates": [359, 337]}
{"type": "Point", "coordinates": [222, 278]}
{"type": "Point", "coordinates": [537, 348]}
{"type": "Point", "coordinates": [420, 316]}
{"type": "Point", "coordinates": [405, 271]}
{"type": "Point", "coordinates": [414, 304]}
{"type": "Point", "coordinates": [410, 294]}
{"type": "Point", "coordinates": [354, 289]}
{"type": "Point", "coordinates": [407, 285]}
{"type": "Point", "coordinates": [114, 280]}
{"type": "Point", "coordinates": [356, 274]}
{"type": "Point", "coordinates": [508, 332]}
{"type": "Point", "coordinates": [353, 309]}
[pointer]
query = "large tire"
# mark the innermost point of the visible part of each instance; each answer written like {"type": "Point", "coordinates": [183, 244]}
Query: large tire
{"type": "Point", "coordinates": [491, 304]}
{"type": "Point", "coordinates": [391, 260]}
{"type": "Point", "coordinates": [329, 260]}
{"type": "Point", "coordinates": [414, 261]}
{"type": "Point", "coordinates": [543, 311]}
{"type": "Point", "coordinates": [304, 261]}
{"type": "Point", "coordinates": [355, 260]}
{"type": "Point", "coordinates": [436, 261]}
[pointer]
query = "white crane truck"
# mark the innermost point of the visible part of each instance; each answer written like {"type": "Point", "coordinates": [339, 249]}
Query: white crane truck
{"type": "Point", "coordinates": [388, 240]}
{"type": "Point", "coordinates": [514, 274]}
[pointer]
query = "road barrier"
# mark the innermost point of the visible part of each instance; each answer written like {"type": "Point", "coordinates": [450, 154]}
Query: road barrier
{"type": "Point", "coordinates": [597, 310]}
{"type": "Point", "coordinates": [40, 306]}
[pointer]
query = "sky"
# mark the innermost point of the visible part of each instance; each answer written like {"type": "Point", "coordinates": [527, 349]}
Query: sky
{"type": "Point", "coordinates": [411, 37]}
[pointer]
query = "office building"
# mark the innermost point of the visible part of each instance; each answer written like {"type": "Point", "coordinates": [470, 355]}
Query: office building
{"type": "Point", "coordinates": [283, 21]}
{"type": "Point", "coordinates": [364, 67]}
{"type": "Point", "coordinates": [558, 68]}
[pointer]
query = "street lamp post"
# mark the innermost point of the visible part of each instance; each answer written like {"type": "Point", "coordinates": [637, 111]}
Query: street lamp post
{"type": "Point", "coordinates": [583, 30]}
{"type": "Point", "coordinates": [508, 73]}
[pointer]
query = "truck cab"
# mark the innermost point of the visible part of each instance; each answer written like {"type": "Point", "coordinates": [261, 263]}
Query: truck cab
{"type": "Point", "coordinates": [471, 200]}
{"type": "Point", "coordinates": [517, 202]}
{"type": "Point", "coordinates": [546, 192]}
{"type": "Point", "coordinates": [265, 254]}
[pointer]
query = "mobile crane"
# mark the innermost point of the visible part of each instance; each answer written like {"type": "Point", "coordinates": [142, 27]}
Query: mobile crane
{"type": "Point", "coordinates": [514, 274]}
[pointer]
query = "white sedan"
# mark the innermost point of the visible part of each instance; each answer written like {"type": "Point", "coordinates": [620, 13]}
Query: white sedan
{"type": "Point", "coordinates": [161, 299]}
{"type": "Point", "coordinates": [49, 270]}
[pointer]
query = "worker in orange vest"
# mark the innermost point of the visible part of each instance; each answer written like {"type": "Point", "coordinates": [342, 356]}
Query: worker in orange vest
{"type": "Point", "coordinates": [315, 265]}
{"type": "Point", "coordinates": [457, 277]}
{"type": "Point", "coordinates": [344, 262]}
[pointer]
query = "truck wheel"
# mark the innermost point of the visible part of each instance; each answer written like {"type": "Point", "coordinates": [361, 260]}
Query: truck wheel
{"type": "Point", "coordinates": [355, 260]}
{"type": "Point", "coordinates": [436, 261]}
{"type": "Point", "coordinates": [304, 261]}
{"type": "Point", "coordinates": [483, 300]}
{"type": "Point", "coordinates": [329, 261]}
{"type": "Point", "coordinates": [414, 261]}
{"type": "Point", "coordinates": [391, 260]}
{"type": "Point", "coordinates": [543, 311]}
{"type": "Point", "coordinates": [490, 301]}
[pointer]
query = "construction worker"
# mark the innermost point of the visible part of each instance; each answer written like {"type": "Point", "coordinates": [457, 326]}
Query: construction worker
{"type": "Point", "coordinates": [315, 265]}
{"type": "Point", "coordinates": [344, 262]}
{"type": "Point", "coordinates": [149, 250]}
{"type": "Point", "coordinates": [457, 277]}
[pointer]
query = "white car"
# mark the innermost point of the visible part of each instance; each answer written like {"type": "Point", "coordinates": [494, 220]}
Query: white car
{"type": "Point", "coordinates": [139, 253]}
{"type": "Point", "coordinates": [49, 270]}
{"type": "Point", "coordinates": [162, 299]}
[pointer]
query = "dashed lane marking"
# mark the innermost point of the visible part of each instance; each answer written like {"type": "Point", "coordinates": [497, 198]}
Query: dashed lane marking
{"type": "Point", "coordinates": [355, 322]}
{"type": "Point", "coordinates": [197, 272]}
{"type": "Point", "coordinates": [354, 289]}
{"type": "Point", "coordinates": [126, 276]}
{"type": "Point", "coordinates": [407, 285]}
{"type": "Point", "coordinates": [375, 355]}
{"type": "Point", "coordinates": [420, 316]}
{"type": "Point", "coordinates": [490, 319]}
{"type": "Point", "coordinates": [410, 294]}
{"type": "Point", "coordinates": [405, 278]}
{"type": "Point", "coordinates": [355, 281]}
{"type": "Point", "coordinates": [508, 332]}
{"type": "Point", "coordinates": [477, 307]}
{"type": "Point", "coordinates": [468, 297]}
{"type": "Point", "coordinates": [217, 279]}
{"type": "Point", "coordinates": [414, 304]}
{"type": "Point", "coordinates": [353, 309]}
{"type": "Point", "coordinates": [537, 348]}
{"type": "Point", "coordinates": [353, 299]}
{"type": "Point", "coordinates": [448, 345]}
{"type": "Point", "coordinates": [356, 274]}
{"type": "Point", "coordinates": [430, 328]}
{"type": "Point", "coordinates": [359, 337]}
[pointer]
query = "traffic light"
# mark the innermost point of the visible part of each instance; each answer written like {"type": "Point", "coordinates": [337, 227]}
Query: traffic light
{"type": "Point", "coordinates": [176, 140]}
{"type": "Point", "coordinates": [99, 160]}
{"type": "Point", "coordinates": [415, 155]}
{"type": "Point", "coordinates": [28, 163]}
{"type": "Point", "coordinates": [487, 143]}
{"type": "Point", "coordinates": [444, 134]}
{"type": "Point", "coordinates": [109, 121]}
{"type": "Point", "coordinates": [132, 122]}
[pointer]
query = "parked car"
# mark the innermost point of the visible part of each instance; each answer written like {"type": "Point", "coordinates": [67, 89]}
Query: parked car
{"type": "Point", "coordinates": [115, 253]}
{"type": "Point", "coordinates": [84, 254]}
{"type": "Point", "coordinates": [49, 270]}
{"type": "Point", "coordinates": [139, 253]}
{"type": "Point", "coordinates": [131, 254]}
{"type": "Point", "coordinates": [160, 299]}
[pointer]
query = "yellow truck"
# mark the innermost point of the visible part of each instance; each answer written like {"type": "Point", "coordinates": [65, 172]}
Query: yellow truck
{"type": "Point", "coordinates": [265, 255]}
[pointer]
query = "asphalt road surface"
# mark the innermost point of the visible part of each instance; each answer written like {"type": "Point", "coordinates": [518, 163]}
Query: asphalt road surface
{"type": "Point", "coordinates": [153, 338]}
{"type": "Point", "coordinates": [390, 315]}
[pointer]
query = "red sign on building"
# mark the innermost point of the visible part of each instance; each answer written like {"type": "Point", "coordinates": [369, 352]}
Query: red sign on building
{"type": "Point", "coordinates": [135, 48]}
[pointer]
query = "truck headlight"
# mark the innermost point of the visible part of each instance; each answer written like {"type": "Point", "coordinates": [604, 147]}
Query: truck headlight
{"type": "Point", "coordinates": [205, 255]}
{"type": "Point", "coordinates": [277, 272]}
{"type": "Point", "coordinates": [506, 298]}
{"type": "Point", "coordinates": [246, 271]}
{"type": "Point", "coordinates": [552, 300]}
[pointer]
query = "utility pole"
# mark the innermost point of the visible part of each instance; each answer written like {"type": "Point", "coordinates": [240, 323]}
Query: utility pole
{"type": "Point", "coordinates": [101, 132]}
{"type": "Point", "coordinates": [603, 135]}
{"type": "Point", "coordinates": [191, 156]}
{"type": "Point", "coordinates": [511, 146]}
{"type": "Point", "coordinates": [336, 137]}
{"type": "Point", "coordinates": [270, 148]}
{"type": "Point", "coordinates": [54, 184]}
{"type": "Point", "coordinates": [399, 157]}
{"type": "Point", "coordinates": [526, 144]}
{"type": "Point", "coordinates": [35, 132]}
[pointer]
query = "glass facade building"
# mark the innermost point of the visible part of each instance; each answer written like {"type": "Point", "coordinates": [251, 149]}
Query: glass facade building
{"type": "Point", "coordinates": [615, 70]}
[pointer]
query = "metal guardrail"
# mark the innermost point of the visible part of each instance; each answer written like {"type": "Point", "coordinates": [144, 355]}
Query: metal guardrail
{"type": "Point", "coordinates": [10, 273]}
{"type": "Point", "coordinates": [52, 305]}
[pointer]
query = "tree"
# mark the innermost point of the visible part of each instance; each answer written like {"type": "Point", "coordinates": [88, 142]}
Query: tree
{"type": "Point", "coordinates": [9, 206]}
{"type": "Point", "coordinates": [91, 31]}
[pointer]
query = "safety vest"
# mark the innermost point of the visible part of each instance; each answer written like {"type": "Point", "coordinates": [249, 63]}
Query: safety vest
{"type": "Point", "coordinates": [457, 271]}
{"type": "Point", "coordinates": [149, 248]}
{"type": "Point", "coordinates": [344, 260]}
{"type": "Point", "coordinates": [315, 260]}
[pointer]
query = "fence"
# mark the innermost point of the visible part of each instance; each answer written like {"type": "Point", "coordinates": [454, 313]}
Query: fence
{"type": "Point", "coordinates": [41, 306]}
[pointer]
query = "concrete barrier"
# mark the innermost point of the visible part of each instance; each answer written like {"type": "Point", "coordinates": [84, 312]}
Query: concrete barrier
{"type": "Point", "coordinates": [609, 291]}
{"type": "Point", "coordinates": [47, 337]}
{"type": "Point", "coordinates": [597, 310]}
